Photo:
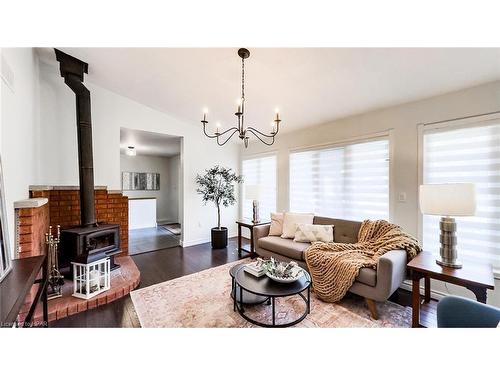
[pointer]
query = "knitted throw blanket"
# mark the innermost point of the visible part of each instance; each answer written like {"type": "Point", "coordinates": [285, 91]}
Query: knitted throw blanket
{"type": "Point", "coordinates": [335, 266]}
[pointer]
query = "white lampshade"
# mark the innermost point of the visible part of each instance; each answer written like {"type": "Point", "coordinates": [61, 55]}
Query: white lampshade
{"type": "Point", "coordinates": [457, 199]}
{"type": "Point", "coordinates": [252, 192]}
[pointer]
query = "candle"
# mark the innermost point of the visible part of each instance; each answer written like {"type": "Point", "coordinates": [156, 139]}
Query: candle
{"type": "Point", "coordinates": [217, 131]}
{"type": "Point", "coordinates": [94, 280]}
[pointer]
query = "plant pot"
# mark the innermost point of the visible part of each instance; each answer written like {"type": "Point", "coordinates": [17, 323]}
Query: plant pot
{"type": "Point", "coordinates": [219, 238]}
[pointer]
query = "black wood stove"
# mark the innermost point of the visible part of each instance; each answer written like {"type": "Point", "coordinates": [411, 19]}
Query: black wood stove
{"type": "Point", "coordinates": [91, 241]}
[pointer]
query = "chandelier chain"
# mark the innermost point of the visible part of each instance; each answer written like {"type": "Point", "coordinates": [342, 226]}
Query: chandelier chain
{"type": "Point", "coordinates": [242, 80]}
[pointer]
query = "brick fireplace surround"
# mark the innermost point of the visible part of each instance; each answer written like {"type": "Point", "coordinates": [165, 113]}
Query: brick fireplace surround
{"type": "Point", "coordinates": [60, 205]}
{"type": "Point", "coordinates": [64, 208]}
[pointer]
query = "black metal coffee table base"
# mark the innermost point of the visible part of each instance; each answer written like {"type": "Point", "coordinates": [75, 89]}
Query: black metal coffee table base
{"type": "Point", "coordinates": [253, 297]}
{"type": "Point", "coordinates": [239, 307]}
{"type": "Point", "coordinates": [247, 298]}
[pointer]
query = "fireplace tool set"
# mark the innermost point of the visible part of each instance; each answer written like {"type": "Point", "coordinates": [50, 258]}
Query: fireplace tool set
{"type": "Point", "coordinates": [56, 280]}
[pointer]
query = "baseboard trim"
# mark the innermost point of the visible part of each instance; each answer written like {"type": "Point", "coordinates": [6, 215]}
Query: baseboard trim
{"type": "Point", "coordinates": [202, 240]}
{"type": "Point", "coordinates": [435, 294]}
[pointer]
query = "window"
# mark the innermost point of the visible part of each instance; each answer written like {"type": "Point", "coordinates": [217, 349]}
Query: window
{"type": "Point", "coordinates": [260, 172]}
{"type": "Point", "coordinates": [469, 154]}
{"type": "Point", "coordinates": [349, 182]}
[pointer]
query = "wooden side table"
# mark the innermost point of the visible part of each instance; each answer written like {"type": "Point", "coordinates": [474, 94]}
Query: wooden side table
{"type": "Point", "coordinates": [248, 224]}
{"type": "Point", "coordinates": [476, 277]}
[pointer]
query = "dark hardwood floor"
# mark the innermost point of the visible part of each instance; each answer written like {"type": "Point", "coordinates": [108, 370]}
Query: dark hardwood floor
{"type": "Point", "coordinates": [161, 265]}
{"type": "Point", "coordinates": [151, 239]}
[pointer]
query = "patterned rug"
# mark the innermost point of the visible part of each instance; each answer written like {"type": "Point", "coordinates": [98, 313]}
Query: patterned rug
{"type": "Point", "coordinates": [203, 300]}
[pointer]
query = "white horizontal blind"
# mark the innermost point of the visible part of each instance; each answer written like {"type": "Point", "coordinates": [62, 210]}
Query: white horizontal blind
{"type": "Point", "coordinates": [262, 172]}
{"type": "Point", "coordinates": [467, 155]}
{"type": "Point", "coordinates": [349, 182]}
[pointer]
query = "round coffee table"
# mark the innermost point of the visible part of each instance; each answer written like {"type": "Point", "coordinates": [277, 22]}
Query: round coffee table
{"type": "Point", "coordinates": [246, 297]}
{"type": "Point", "coordinates": [269, 290]}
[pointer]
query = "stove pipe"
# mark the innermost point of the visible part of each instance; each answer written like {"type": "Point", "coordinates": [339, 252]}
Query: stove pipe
{"type": "Point", "coordinates": [73, 70]}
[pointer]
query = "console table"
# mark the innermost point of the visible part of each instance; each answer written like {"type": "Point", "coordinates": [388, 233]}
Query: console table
{"type": "Point", "coordinates": [15, 287]}
{"type": "Point", "coordinates": [247, 224]}
{"type": "Point", "coordinates": [476, 277]}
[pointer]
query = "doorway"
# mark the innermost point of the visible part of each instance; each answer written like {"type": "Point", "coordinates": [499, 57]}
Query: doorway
{"type": "Point", "coordinates": [150, 167]}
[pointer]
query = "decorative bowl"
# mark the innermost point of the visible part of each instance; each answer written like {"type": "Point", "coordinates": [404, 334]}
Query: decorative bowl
{"type": "Point", "coordinates": [282, 272]}
{"type": "Point", "coordinates": [285, 280]}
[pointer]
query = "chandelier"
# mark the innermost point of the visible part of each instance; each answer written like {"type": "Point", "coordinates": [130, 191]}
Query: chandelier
{"type": "Point", "coordinates": [223, 137]}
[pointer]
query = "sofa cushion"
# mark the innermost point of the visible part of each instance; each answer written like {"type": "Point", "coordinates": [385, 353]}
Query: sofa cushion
{"type": "Point", "coordinates": [284, 246]}
{"type": "Point", "coordinates": [344, 231]}
{"type": "Point", "coordinates": [367, 276]}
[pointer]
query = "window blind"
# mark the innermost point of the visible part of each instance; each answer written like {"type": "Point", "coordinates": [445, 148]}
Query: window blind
{"type": "Point", "coordinates": [349, 182]}
{"type": "Point", "coordinates": [467, 155]}
{"type": "Point", "coordinates": [261, 172]}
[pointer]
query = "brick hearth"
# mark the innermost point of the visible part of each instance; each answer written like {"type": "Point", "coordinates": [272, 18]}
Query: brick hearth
{"type": "Point", "coordinates": [60, 205]}
{"type": "Point", "coordinates": [123, 281]}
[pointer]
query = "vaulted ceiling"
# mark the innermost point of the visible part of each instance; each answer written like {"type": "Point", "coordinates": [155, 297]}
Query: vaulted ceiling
{"type": "Point", "coordinates": [309, 85]}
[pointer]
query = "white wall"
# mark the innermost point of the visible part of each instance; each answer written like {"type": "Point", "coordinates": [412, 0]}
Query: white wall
{"type": "Point", "coordinates": [110, 112]}
{"type": "Point", "coordinates": [19, 129]}
{"type": "Point", "coordinates": [154, 164]}
{"type": "Point", "coordinates": [403, 120]}
{"type": "Point", "coordinates": [173, 193]}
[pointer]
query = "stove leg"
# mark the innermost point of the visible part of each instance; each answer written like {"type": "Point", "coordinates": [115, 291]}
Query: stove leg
{"type": "Point", "coordinates": [112, 265]}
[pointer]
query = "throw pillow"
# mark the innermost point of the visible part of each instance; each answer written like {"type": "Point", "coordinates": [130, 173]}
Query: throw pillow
{"type": "Point", "coordinates": [276, 228]}
{"type": "Point", "coordinates": [313, 233]}
{"type": "Point", "coordinates": [290, 221]}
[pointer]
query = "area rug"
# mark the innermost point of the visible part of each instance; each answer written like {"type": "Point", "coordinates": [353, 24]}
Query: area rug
{"type": "Point", "coordinates": [172, 228]}
{"type": "Point", "coordinates": [203, 300]}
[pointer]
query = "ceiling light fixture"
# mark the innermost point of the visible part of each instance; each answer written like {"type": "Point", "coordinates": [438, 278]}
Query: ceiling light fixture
{"type": "Point", "coordinates": [131, 151]}
{"type": "Point", "coordinates": [243, 132]}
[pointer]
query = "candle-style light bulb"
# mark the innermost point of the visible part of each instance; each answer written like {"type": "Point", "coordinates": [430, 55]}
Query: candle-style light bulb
{"type": "Point", "coordinates": [239, 101]}
{"type": "Point", "coordinates": [217, 131]}
{"type": "Point", "coordinates": [205, 112]}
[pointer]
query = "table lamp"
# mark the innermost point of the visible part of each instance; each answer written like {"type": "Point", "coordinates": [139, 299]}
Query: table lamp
{"type": "Point", "coordinates": [253, 192]}
{"type": "Point", "coordinates": [447, 200]}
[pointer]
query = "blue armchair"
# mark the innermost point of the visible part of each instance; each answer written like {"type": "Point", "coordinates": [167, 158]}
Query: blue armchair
{"type": "Point", "coordinates": [458, 312]}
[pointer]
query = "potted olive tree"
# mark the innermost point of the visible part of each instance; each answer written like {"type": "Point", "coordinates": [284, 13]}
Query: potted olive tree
{"type": "Point", "coordinates": [217, 185]}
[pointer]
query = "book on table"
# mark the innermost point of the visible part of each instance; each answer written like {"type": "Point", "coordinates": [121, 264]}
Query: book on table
{"type": "Point", "coordinates": [255, 270]}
